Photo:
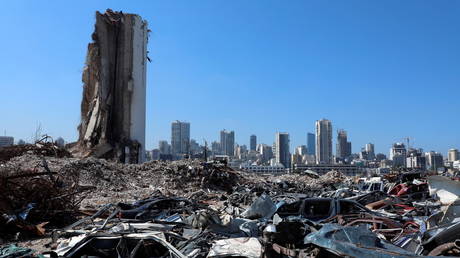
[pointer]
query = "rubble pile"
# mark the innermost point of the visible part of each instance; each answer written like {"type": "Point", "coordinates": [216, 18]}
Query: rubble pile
{"type": "Point", "coordinates": [38, 189]}
{"type": "Point", "coordinates": [311, 184]}
{"type": "Point", "coordinates": [39, 148]}
{"type": "Point", "coordinates": [30, 197]}
{"type": "Point", "coordinates": [191, 208]}
{"type": "Point", "coordinates": [194, 174]}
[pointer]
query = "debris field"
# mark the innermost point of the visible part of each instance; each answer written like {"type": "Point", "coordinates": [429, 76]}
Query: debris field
{"type": "Point", "coordinates": [52, 205]}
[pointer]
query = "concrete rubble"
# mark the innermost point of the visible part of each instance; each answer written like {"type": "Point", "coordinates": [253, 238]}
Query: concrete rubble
{"type": "Point", "coordinates": [72, 207]}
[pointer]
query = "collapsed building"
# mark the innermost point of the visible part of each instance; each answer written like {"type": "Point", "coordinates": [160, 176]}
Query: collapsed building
{"type": "Point", "coordinates": [114, 90]}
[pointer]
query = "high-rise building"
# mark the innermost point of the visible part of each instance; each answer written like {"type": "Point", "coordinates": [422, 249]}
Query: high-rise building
{"type": "Point", "coordinates": [363, 154]}
{"type": "Point", "coordinates": [155, 154]}
{"type": "Point", "coordinates": [180, 137]}
{"type": "Point", "coordinates": [164, 147]}
{"type": "Point", "coordinates": [253, 143]}
{"type": "Point", "coordinates": [282, 153]}
{"type": "Point", "coordinates": [266, 152]}
{"type": "Point", "coordinates": [399, 160]}
{"type": "Point", "coordinates": [416, 159]}
{"type": "Point", "coordinates": [398, 148]}
{"type": "Point", "coordinates": [434, 160]}
{"type": "Point", "coordinates": [380, 156]}
{"type": "Point", "coordinates": [343, 147]}
{"type": "Point", "coordinates": [349, 149]}
{"type": "Point", "coordinates": [452, 155]}
{"type": "Point", "coordinates": [311, 143]}
{"type": "Point", "coordinates": [227, 142]}
{"type": "Point", "coordinates": [241, 151]}
{"type": "Point", "coordinates": [301, 150]}
{"type": "Point", "coordinates": [194, 147]}
{"type": "Point", "coordinates": [398, 154]}
{"type": "Point", "coordinates": [259, 148]}
{"type": "Point", "coordinates": [6, 141]}
{"type": "Point", "coordinates": [323, 142]}
{"type": "Point", "coordinates": [216, 148]}
{"type": "Point", "coordinates": [296, 159]}
{"type": "Point", "coordinates": [370, 151]}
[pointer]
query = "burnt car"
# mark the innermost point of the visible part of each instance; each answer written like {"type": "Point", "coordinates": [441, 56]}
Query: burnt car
{"type": "Point", "coordinates": [410, 191]}
{"type": "Point", "coordinates": [320, 209]}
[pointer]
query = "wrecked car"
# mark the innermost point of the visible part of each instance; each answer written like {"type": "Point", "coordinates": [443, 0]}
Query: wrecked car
{"type": "Point", "coordinates": [319, 209]}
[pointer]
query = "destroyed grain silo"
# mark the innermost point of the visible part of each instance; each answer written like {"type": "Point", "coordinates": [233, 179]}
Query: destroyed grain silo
{"type": "Point", "coordinates": [114, 89]}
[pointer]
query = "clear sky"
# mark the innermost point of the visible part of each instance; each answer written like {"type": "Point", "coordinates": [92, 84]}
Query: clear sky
{"type": "Point", "coordinates": [382, 70]}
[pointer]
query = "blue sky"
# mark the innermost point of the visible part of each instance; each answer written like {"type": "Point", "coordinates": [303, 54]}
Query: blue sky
{"type": "Point", "coordinates": [382, 70]}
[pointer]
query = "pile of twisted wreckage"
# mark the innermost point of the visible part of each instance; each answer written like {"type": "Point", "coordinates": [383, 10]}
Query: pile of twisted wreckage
{"type": "Point", "coordinates": [56, 206]}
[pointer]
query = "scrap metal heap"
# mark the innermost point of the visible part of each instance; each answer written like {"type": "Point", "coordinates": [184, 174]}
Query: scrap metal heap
{"type": "Point", "coordinates": [190, 208]}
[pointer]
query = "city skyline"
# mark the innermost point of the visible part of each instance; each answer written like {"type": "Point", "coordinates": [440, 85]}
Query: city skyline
{"type": "Point", "coordinates": [368, 147]}
{"type": "Point", "coordinates": [355, 148]}
{"type": "Point", "coordinates": [280, 155]}
{"type": "Point", "coordinates": [278, 81]}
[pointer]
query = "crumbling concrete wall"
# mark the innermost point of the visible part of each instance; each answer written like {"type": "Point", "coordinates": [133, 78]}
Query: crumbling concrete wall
{"type": "Point", "coordinates": [114, 91]}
